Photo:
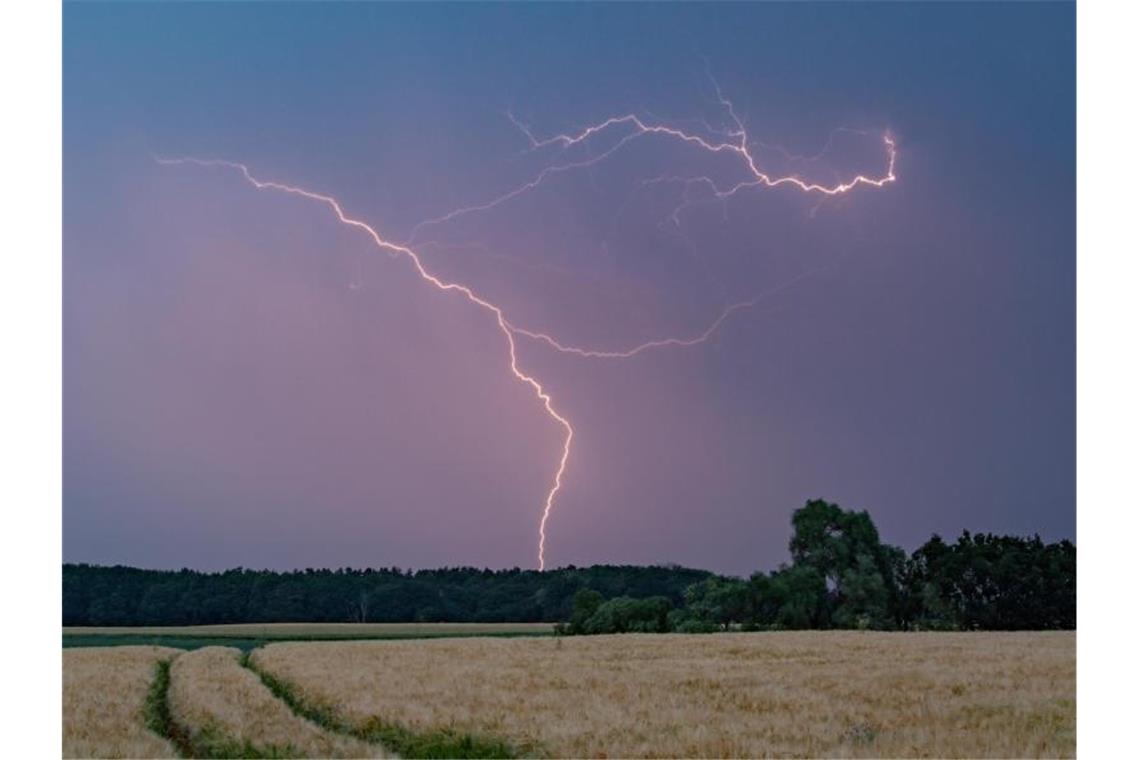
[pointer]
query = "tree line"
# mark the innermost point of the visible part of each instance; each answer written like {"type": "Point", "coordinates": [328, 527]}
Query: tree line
{"type": "Point", "coordinates": [841, 575]}
{"type": "Point", "coordinates": [94, 595]}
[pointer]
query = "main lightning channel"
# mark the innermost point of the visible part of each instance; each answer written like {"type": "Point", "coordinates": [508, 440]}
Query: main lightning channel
{"type": "Point", "coordinates": [468, 293]}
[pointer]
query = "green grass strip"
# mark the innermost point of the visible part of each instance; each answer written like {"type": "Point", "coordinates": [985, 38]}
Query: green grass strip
{"type": "Point", "coordinates": [156, 710]}
{"type": "Point", "coordinates": [439, 743]}
{"type": "Point", "coordinates": [209, 743]}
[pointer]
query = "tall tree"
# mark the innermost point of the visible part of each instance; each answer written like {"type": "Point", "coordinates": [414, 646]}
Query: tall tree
{"type": "Point", "coordinates": [859, 571]}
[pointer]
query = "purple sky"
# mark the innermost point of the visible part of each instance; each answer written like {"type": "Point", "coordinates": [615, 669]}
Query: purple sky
{"type": "Point", "coordinates": [248, 382]}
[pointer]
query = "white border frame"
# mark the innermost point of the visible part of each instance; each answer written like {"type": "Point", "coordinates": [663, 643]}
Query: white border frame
{"type": "Point", "coordinates": [1108, 372]}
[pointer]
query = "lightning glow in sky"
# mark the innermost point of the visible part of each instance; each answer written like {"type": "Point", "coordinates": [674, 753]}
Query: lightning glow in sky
{"type": "Point", "coordinates": [738, 144]}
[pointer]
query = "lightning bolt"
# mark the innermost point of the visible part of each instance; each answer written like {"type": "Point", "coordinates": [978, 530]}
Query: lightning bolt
{"type": "Point", "coordinates": [737, 144]}
{"type": "Point", "coordinates": [417, 264]}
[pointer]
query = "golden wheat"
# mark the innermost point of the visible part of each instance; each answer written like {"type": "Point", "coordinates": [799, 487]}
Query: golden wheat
{"type": "Point", "coordinates": [104, 691]}
{"type": "Point", "coordinates": [218, 702]}
{"type": "Point", "coordinates": [725, 695]}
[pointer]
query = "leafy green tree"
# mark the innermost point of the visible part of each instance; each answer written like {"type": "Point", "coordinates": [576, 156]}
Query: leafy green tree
{"type": "Point", "coordinates": [722, 602]}
{"type": "Point", "coordinates": [860, 572]}
{"type": "Point", "coordinates": [586, 603]}
{"type": "Point", "coordinates": [800, 595]}
{"type": "Point", "coordinates": [831, 539]}
{"type": "Point", "coordinates": [628, 615]}
{"type": "Point", "coordinates": [989, 582]}
{"type": "Point", "coordinates": [682, 620]}
{"type": "Point", "coordinates": [865, 601]}
{"type": "Point", "coordinates": [924, 607]}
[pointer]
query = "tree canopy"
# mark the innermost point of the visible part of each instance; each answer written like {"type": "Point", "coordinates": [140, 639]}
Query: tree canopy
{"type": "Point", "coordinates": [841, 575]}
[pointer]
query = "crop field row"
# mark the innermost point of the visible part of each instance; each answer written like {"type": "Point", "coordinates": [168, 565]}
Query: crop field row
{"type": "Point", "coordinates": [225, 709]}
{"type": "Point", "coordinates": [850, 694]}
{"type": "Point", "coordinates": [105, 702]}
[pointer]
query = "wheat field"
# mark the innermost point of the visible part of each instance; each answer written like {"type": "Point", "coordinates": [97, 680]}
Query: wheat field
{"type": "Point", "coordinates": [801, 694]}
{"type": "Point", "coordinates": [725, 695]}
{"type": "Point", "coordinates": [104, 694]}
{"type": "Point", "coordinates": [225, 709]}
